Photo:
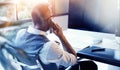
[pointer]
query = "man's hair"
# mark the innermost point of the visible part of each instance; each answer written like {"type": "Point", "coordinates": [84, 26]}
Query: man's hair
{"type": "Point", "coordinates": [38, 13]}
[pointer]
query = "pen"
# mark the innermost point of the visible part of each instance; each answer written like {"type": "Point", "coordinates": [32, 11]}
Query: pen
{"type": "Point", "coordinates": [100, 49]}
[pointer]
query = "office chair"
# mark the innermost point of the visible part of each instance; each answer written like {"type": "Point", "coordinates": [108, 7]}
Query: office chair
{"type": "Point", "coordinates": [20, 58]}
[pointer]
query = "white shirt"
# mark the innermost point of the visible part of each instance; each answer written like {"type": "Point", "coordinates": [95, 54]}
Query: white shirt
{"type": "Point", "coordinates": [51, 52]}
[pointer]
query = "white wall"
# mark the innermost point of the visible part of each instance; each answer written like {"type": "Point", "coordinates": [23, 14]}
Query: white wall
{"type": "Point", "coordinates": [105, 12]}
{"type": "Point", "coordinates": [62, 21]}
{"type": "Point", "coordinates": [61, 7]}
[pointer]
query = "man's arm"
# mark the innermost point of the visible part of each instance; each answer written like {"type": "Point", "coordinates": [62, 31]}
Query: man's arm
{"type": "Point", "coordinates": [66, 45]}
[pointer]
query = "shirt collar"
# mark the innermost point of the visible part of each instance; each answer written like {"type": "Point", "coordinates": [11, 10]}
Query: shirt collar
{"type": "Point", "coordinates": [32, 30]}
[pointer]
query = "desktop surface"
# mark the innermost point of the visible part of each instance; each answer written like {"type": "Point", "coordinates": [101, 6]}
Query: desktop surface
{"type": "Point", "coordinates": [104, 55]}
{"type": "Point", "coordinates": [80, 39]}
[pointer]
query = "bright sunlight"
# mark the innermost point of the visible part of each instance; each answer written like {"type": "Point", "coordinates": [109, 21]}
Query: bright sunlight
{"type": "Point", "coordinates": [24, 7]}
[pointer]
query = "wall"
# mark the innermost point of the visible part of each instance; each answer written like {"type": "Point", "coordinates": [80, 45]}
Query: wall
{"type": "Point", "coordinates": [62, 21]}
{"type": "Point", "coordinates": [61, 7]}
{"type": "Point", "coordinates": [94, 15]}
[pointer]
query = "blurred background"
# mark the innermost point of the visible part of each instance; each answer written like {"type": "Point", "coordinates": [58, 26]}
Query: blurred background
{"type": "Point", "coordinates": [90, 15]}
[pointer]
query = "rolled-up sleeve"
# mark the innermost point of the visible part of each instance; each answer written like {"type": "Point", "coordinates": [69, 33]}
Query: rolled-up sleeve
{"type": "Point", "coordinates": [57, 55]}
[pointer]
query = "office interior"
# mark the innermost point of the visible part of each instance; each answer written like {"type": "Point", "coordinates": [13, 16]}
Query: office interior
{"type": "Point", "coordinates": [97, 16]}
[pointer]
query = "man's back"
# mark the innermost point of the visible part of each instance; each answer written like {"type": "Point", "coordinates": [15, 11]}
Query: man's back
{"type": "Point", "coordinates": [32, 45]}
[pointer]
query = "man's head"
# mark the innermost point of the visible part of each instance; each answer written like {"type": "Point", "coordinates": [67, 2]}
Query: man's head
{"type": "Point", "coordinates": [40, 14]}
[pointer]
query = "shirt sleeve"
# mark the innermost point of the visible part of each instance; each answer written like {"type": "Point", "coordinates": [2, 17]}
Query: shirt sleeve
{"type": "Point", "coordinates": [57, 55]}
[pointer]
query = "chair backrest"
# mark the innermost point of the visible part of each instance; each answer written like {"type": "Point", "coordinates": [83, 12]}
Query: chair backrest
{"type": "Point", "coordinates": [5, 63]}
{"type": "Point", "coordinates": [22, 58]}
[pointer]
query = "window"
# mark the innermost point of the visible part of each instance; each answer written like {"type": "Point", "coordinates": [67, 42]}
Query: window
{"type": "Point", "coordinates": [21, 9]}
{"type": "Point", "coordinates": [7, 11]}
{"type": "Point", "coordinates": [24, 8]}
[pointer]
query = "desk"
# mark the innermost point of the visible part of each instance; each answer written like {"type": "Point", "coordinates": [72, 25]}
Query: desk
{"type": "Point", "coordinates": [79, 39]}
{"type": "Point", "coordinates": [105, 56]}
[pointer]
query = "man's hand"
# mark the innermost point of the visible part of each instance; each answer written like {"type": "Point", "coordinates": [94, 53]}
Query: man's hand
{"type": "Point", "coordinates": [66, 45]}
{"type": "Point", "coordinates": [57, 30]}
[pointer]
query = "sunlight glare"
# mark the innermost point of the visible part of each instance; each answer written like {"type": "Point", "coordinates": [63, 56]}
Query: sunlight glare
{"type": "Point", "coordinates": [30, 1]}
{"type": "Point", "coordinates": [22, 4]}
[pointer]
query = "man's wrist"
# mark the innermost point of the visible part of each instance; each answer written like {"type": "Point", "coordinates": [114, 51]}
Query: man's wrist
{"type": "Point", "coordinates": [61, 36]}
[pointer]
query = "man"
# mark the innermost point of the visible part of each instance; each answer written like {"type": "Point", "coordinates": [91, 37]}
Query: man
{"type": "Point", "coordinates": [34, 41]}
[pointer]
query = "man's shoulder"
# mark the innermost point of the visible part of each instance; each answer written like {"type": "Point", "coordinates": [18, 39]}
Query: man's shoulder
{"type": "Point", "coordinates": [50, 44]}
{"type": "Point", "coordinates": [21, 32]}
